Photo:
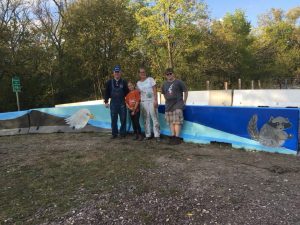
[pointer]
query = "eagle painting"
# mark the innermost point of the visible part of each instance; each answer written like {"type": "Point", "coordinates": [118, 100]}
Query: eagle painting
{"type": "Point", "coordinates": [79, 119]}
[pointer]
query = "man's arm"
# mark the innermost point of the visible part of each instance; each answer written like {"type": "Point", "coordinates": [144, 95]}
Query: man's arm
{"type": "Point", "coordinates": [107, 92]}
{"type": "Point", "coordinates": [185, 96]}
{"type": "Point", "coordinates": [185, 92]}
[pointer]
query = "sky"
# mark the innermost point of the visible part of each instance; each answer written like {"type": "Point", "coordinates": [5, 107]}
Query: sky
{"type": "Point", "coordinates": [252, 8]}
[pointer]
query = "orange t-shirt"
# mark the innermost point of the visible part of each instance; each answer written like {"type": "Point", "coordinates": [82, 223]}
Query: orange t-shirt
{"type": "Point", "coordinates": [133, 97]}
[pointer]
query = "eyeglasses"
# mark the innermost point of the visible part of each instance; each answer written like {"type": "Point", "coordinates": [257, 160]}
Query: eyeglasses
{"type": "Point", "coordinates": [168, 74]}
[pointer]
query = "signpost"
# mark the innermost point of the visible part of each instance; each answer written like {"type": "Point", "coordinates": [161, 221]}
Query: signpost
{"type": "Point", "coordinates": [16, 85]}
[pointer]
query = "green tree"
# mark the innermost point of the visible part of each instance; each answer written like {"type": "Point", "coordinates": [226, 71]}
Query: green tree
{"type": "Point", "coordinates": [219, 51]}
{"type": "Point", "coordinates": [163, 29]}
{"type": "Point", "coordinates": [234, 34]}
{"type": "Point", "coordinates": [15, 41]}
{"type": "Point", "coordinates": [277, 46]}
{"type": "Point", "coordinates": [97, 34]}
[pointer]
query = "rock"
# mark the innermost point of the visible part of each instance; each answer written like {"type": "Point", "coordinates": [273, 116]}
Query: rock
{"type": "Point", "coordinates": [205, 211]}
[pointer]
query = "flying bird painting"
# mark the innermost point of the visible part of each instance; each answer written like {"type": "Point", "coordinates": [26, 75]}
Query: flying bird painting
{"type": "Point", "coordinates": [79, 119]}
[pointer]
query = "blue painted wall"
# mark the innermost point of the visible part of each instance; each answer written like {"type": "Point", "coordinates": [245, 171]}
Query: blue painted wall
{"type": "Point", "coordinates": [204, 124]}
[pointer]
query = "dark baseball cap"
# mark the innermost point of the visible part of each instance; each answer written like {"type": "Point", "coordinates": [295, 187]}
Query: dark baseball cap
{"type": "Point", "coordinates": [169, 70]}
{"type": "Point", "coordinates": [117, 68]}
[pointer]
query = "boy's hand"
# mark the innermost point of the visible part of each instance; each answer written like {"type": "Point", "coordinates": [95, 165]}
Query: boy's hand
{"type": "Point", "coordinates": [132, 113]}
{"type": "Point", "coordinates": [106, 105]}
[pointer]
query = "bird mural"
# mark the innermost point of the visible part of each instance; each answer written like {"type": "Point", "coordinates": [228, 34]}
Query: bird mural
{"type": "Point", "coordinates": [79, 119]}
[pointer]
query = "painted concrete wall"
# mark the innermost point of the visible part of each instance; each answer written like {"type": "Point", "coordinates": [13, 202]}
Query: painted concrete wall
{"type": "Point", "coordinates": [266, 129]}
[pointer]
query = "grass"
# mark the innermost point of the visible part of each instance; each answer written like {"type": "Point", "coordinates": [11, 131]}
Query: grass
{"type": "Point", "coordinates": [55, 178]}
{"type": "Point", "coordinates": [55, 183]}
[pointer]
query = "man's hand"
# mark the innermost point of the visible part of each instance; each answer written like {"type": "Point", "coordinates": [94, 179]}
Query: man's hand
{"type": "Point", "coordinates": [106, 105]}
{"type": "Point", "coordinates": [132, 113]}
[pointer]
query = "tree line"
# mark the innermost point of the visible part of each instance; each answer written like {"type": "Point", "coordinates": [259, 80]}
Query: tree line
{"type": "Point", "coordinates": [64, 50]}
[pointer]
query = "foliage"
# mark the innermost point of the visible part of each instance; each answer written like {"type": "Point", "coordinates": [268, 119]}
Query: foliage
{"type": "Point", "coordinates": [64, 51]}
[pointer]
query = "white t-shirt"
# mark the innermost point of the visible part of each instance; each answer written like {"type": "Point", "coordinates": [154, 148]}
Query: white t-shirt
{"type": "Point", "coordinates": [146, 89]}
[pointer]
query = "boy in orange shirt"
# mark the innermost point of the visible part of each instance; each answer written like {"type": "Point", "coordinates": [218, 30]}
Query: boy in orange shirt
{"type": "Point", "coordinates": [132, 100]}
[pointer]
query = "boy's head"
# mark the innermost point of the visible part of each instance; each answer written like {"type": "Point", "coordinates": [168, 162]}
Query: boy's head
{"type": "Point", "coordinates": [131, 86]}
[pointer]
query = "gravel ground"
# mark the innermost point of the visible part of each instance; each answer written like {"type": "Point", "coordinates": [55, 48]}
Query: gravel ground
{"type": "Point", "coordinates": [89, 179]}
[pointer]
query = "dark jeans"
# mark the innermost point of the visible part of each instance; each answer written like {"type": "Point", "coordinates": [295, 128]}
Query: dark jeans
{"type": "Point", "coordinates": [135, 119]}
{"type": "Point", "coordinates": [115, 110]}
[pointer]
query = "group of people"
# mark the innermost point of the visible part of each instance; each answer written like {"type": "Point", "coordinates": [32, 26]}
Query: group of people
{"type": "Point", "coordinates": [141, 99]}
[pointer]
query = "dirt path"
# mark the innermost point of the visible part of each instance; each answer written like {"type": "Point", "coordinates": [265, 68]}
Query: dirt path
{"type": "Point", "coordinates": [89, 179]}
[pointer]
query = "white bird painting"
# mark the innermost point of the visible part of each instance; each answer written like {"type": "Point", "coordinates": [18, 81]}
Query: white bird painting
{"type": "Point", "coordinates": [79, 119]}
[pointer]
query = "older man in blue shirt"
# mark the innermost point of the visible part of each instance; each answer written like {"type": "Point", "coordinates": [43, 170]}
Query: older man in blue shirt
{"type": "Point", "coordinates": [116, 90]}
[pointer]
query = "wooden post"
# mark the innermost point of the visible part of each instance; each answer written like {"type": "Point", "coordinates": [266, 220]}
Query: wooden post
{"type": "Point", "coordinates": [239, 83]}
{"type": "Point", "coordinates": [226, 85]}
{"type": "Point", "coordinates": [286, 83]}
{"type": "Point", "coordinates": [207, 85]}
{"type": "Point", "coordinates": [252, 84]}
{"type": "Point", "coordinates": [259, 85]}
{"type": "Point", "coordinates": [18, 102]}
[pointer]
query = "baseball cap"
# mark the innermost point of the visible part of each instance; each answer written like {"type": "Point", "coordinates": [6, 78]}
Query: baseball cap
{"type": "Point", "coordinates": [169, 70]}
{"type": "Point", "coordinates": [117, 68]}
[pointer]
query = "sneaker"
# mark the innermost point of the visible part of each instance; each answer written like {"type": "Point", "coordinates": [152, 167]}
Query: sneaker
{"type": "Point", "coordinates": [175, 140]}
{"type": "Point", "coordinates": [171, 140]}
{"type": "Point", "coordinates": [140, 137]}
{"type": "Point", "coordinates": [122, 136]}
{"type": "Point", "coordinates": [147, 138]}
{"type": "Point", "coordinates": [157, 139]}
{"type": "Point", "coordinates": [113, 137]}
{"type": "Point", "coordinates": [135, 138]}
{"type": "Point", "coordinates": [178, 140]}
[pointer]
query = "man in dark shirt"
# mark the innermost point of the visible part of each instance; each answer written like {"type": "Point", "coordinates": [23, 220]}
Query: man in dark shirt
{"type": "Point", "coordinates": [175, 93]}
{"type": "Point", "coordinates": [116, 90]}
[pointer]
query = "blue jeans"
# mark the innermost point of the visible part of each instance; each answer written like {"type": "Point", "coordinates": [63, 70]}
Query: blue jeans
{"type": "Point", "coordinates": [115, 110]}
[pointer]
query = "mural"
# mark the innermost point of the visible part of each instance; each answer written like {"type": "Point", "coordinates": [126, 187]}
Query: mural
{"type": "Point", "coordinates": [272, 133]}
{"type": "Point", "coordinates": [13, 123]}
{"type": "Point", "coordinates": [205, 124]}
{"type": "Point", "coordinates": [79, 119]}
{"type": "Point", "coordinates": [265, 129]}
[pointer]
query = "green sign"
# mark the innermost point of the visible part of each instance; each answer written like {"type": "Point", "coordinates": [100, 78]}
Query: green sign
{"type": "Point", "coordinates": [16, 84]}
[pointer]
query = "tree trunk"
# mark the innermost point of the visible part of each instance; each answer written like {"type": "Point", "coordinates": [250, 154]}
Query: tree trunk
{"type": "Point", "coordinates": [99, 86]}
{"type": "Point", "coordinates": [95, 91]}
{"type": "Point", "coordinates": [170, 56]}
{"type": "Point", "coordinates": [52, 88]}
{"type": "Point", "coordinates": [169, 44]}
